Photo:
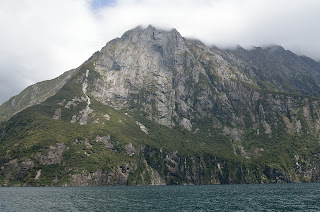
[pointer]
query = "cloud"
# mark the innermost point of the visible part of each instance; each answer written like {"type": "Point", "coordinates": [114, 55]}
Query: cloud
{"type": "Point", "coordinates": [40, 39]}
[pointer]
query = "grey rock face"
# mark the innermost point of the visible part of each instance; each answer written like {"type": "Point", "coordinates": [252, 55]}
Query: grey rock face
{"type": "Point", "coordinates": [142, 127]}
{"type": "Point", "coordinates": [54, 154]}
{"type": "Point", "coordinates": [178, 82]}
{"type": "Point", "coordinates": [146, 61]}
{"type": "Point", "coordinates": [130, 150]}
{"type": "Point", "coordinates": [96, 178]}
{"type": "Point", "coordinates": [161, 73]}
{"type": "Point", "coordinates": [73, 103]}
{"type": "Point", "coordinates": [17, 170]}
{"type": "Point", "coordinates": [186, 124]}
{"type": "Point", "coordinates": [85, 113]}
{"type": "Point", "coordinates": [57, 114]}
{"type": "Point", "coordinates": [37, 177]}
{"type": "Point", "coordinates": [106, 141]}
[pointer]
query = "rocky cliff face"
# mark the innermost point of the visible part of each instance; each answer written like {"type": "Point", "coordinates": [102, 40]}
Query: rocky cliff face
{"type": "Point", "coordinates": [162, 74]}
{"type": "Point", "coordinates": [155, 108]}
{"type": "Point", "coordinates": [179, 82]}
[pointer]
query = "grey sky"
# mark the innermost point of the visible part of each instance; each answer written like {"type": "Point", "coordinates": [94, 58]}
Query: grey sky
{"type": "Point", "coordinates": [40, 39]}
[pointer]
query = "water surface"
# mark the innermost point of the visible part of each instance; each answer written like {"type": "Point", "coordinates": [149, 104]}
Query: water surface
{"type": "Point", "coordinates": [254, 197]}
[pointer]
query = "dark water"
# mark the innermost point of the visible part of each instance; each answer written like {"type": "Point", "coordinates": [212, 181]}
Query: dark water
{"type": "Point", "coordinates": [273, 197]}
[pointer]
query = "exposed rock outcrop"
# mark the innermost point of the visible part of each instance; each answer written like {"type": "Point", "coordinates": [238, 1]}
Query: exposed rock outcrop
{"type": "Point", "coordinates": [53, 154]}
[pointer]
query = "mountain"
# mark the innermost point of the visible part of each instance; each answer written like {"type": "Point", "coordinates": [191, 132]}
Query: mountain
{"type": "Point", "coordinates": [155, 108]}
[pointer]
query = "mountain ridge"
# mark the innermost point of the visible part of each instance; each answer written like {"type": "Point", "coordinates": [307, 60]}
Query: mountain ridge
{"type": "Point", "coordinates": [4, 114]}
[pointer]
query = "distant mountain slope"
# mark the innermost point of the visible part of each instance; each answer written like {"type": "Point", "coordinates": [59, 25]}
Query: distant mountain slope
{"type": "Point", "coordinates": [279, 69]}
{"type": "Point", "coordinates": [155, 108]}
{"type": "Point", "coordinates": [32, 95]}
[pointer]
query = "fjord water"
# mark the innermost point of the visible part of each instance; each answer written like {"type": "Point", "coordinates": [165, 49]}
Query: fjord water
{"type": "Point", "coordinates": [253, 197]}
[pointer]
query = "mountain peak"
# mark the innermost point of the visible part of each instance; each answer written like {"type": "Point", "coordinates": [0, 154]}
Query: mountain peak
{"type": "Point", "coordinates": [275, 48]}
{"type": "Point", "coordinates": [150, 32]}
{"type": "Point", "coordinates": [151, 27]}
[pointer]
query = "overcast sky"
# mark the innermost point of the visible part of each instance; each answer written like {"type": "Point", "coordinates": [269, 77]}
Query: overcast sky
{"type": "Point", "coordinates": [41, 39]}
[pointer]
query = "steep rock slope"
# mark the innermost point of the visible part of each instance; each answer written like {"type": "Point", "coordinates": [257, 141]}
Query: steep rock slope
{"type": "Point", "coordinates": [155, 108]}
{"type": "Point", "coordinates": [280, 68]}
